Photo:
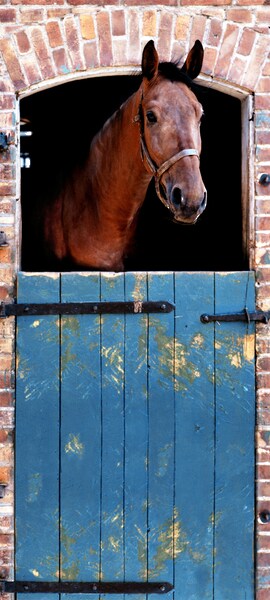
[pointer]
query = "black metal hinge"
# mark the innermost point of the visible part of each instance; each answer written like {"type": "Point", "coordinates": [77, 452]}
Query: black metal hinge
{"type": "Point", "coordinates": [85, 308]}
{"type": "Point", "coordinates": [258, 316]}
{"type": "Point", "coordinates": [81, 587]}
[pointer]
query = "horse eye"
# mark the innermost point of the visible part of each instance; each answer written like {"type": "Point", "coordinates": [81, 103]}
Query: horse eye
{"type": "Point", "coordinates": [151, 117]}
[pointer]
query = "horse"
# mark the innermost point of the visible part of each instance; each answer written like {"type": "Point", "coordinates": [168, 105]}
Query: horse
{"type": "Point", "coordinates": [155, 133]}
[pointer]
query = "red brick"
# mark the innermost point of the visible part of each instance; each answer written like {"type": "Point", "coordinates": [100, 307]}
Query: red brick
{"type": "Point", "coordinates": [23, 42]}
{"type": "Point", "coordinates": [38, 2]}
{"type": "Point", "coordinates": [262, 102]}
{"type": "Point", "coordinates": [262, 15]}
{"type": "Point", "coordinates": [7, 102]}
{"type": "Point", "coordinates": [73, 43]}
{"type": "Point", "coordinates": [58, 13]}
{"type": "Point", "coordinates": [182, 27]}
{"type": "Point", "coordinates": [263, 378]}
{"type": "Point", "coordinates": [31, 16]}
{"type": "Point", "coordinates": [31, 68]}
{"type": "Point", "coordinates": [263, 560]}
{"type": "Point", "coordinates": [246, 42]}
{"type": "Point", "coordinates": [134, 47]}
{"type": "Point", "coordinates": [262, 154]}
{"type": "Point", "coordinates": [118, 22]}
{"type": "Point", "coordinates": [215, 32]}
{"type": "Point", "coordinates": [263, 363]}
{"type": "Point", "coordinates": [226, 51]}
{"type": "Point", "coordinates": [197, 30]}
{"type": "Point", "coordinates": [263, 472]}
{"type": "Point", "coordinates": [239, 15]}
{"type": "Point", "coordinates": [266, 69]}
{"type": "Point", "coordinates": [264, 85]}
{"type": "Point", "coordinates": [12, 63]}
{"type": "Point", "coordinates": [90, 55]}
{"type": "Point", "coordinates": [7, 15]}
{"type": "Point", "coordinates": [236, 70]}
{"type": "Point", "coordinates": [105, 42]}
{"type": "Point", "coordinates": [6, 399]}
{"type": "Point", "coordinates": [204, 2]}
{"type": "Point", "coordinates": [61, 61]}
{"type": "Point", "coordinates": [44, 59]}
{"type": "Point", "coordinates": [148, 2]}
{"type": "Point", "coordinates": [149, 25]}
{"type": "Point", "coordinates": [259, 54]}
{"type": "Point", "coordinates": [6, 255]}
{"type": "Point", "coordinates": [254, 2]}
{"type": "Point", "coordinates": [6, 523]}
{"type": "Point", "coordinates": [262, 137]}
{"type": "Point", "coordinates": [262, 594]}
{"type": "Point", "coordinates": [5, 474]}
{"type": "Point", "coordinates": [165, 35]}
{"type": "Point", "coordinates": [79, 2]}
{"type": "Point", "coordinates": [209, 59]}
{"type": "Point", "coordinates": [87, 27]}
{"type": "Point", "coordinates": [7, 188]}
{"type": "Point", "coordinates": [54, 34]}
{"type": "Point", "coordinates": [263, 223]}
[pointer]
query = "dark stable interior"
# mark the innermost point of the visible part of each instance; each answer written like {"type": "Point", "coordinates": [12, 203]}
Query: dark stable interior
{"type": "Point", "coordinates": [64, 119]}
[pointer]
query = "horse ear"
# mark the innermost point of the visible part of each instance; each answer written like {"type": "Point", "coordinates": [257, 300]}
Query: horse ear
{"type": "Point", "coordinates": [193, 63]}
{"type": "Point", "coordinates": [149, 61]}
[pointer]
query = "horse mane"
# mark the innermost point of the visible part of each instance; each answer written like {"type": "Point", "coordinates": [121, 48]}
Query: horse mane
{"type": "Point", "coordinates": [172, 72]}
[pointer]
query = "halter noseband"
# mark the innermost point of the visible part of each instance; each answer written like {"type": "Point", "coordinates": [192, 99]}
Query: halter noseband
{"type": "Point", "coordinates": [157, 172]}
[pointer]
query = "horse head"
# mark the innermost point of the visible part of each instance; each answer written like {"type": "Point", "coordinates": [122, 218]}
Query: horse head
{"type": "Point", "coordinates": [170, 117]}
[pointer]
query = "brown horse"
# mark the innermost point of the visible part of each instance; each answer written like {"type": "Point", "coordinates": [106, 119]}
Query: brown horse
{"type": "Point", "coordinates": [156, 132]}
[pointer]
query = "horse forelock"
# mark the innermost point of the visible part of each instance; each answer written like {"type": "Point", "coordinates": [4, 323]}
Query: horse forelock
{"type": "Point", "coordinates": [172, 72]}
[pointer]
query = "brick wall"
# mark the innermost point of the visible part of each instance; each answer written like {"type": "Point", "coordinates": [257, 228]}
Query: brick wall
{"type": "Point", "coordinates": [42, 43]}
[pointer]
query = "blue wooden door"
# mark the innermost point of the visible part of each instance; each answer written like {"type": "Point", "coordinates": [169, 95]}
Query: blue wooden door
{"type": "Point", "coordinates": [135, 436]}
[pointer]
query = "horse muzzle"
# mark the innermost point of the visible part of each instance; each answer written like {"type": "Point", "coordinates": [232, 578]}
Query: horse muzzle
{"type": "Point", "coordinates": [184, 209]}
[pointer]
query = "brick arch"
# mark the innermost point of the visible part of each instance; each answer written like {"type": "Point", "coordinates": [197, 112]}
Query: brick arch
{"type": "Point", "coordinates": [76, 44]}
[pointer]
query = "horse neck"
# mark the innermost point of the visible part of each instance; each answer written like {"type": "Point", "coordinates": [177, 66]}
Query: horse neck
{"type": "Point", "coordinates": [120, 176]}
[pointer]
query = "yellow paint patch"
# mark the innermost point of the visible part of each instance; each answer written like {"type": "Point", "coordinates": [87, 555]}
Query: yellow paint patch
{"type": "Point", "coordinates": [74, 446]}
{"type": "Point", "coordinates": [35, 324]}
{"type": "Point", "coordinates": [235, 360]}
{"type": "Point", "coordinates": [197, 341]}
{"type": "Point", "coordinates": [139, 288]}
{"type": "Point", "coordinates": [249, 347]}
{"type": "Point", "coordinates": [114, 543]}
{"type": "Point", "coordinates": [35, 572]}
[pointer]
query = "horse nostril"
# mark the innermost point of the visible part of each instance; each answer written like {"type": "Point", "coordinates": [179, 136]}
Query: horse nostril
{"type": "Point", "coordinates": [177, 197]}
{"type": "Point", "coordinates": [204, 201]}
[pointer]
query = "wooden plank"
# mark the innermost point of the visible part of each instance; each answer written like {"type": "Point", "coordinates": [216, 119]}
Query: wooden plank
{"type": "Point", "coordinates": [37, 435]}
{"type": "Point", "coordinates": [112, 492]}
{"type": "Point", "coordinates": [235, 410]}
{"type": "Point", "coordinates": [80, 432]}
{"type": "Point", "coordinates": [136, 434]}
{"type": "Point", "coordinates": [194, 453]}
{"type": "Point", "coordinates": [161, 434]}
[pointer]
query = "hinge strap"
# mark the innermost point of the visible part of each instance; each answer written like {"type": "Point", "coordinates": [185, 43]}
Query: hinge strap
{"type": "Point", "coordinates": [82, 308]}
{"type": "Point", "coordinates": [81, 587]}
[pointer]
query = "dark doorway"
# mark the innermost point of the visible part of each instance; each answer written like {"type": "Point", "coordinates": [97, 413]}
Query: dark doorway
{"type": "Point", "coordinates": [57, 125]}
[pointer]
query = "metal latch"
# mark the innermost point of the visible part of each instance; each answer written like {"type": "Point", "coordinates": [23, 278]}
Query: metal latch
{"type": "Point", "coordinates": [85, 308]}
{"type": "Point", "coordinates": [85, 587]}
{"type": "Point", "coordinates": [259, 316]}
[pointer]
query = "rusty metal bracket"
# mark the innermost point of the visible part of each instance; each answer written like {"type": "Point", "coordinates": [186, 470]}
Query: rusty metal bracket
{"type": "Point", "coordinates": [83, 308]}
{"type": "Point", "coordinates": [258, 316]}
{"type": "Point", "coordinates": [81, 587]}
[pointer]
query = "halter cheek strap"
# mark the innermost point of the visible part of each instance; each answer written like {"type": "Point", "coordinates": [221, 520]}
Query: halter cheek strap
{"type": "Point", "coordinates": [157, 172]}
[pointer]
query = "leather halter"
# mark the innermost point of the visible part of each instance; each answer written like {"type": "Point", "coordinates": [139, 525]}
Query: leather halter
{"type": "Point", "coordinates": [157, 172]}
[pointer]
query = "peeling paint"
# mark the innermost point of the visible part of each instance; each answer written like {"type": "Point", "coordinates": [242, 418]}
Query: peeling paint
{"type": "Point", "coordinates": [35, 572]}
{"type": "Point", "coordinates": [35, 324]}
{"type": "Point", "coordinates": [74, 446]}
